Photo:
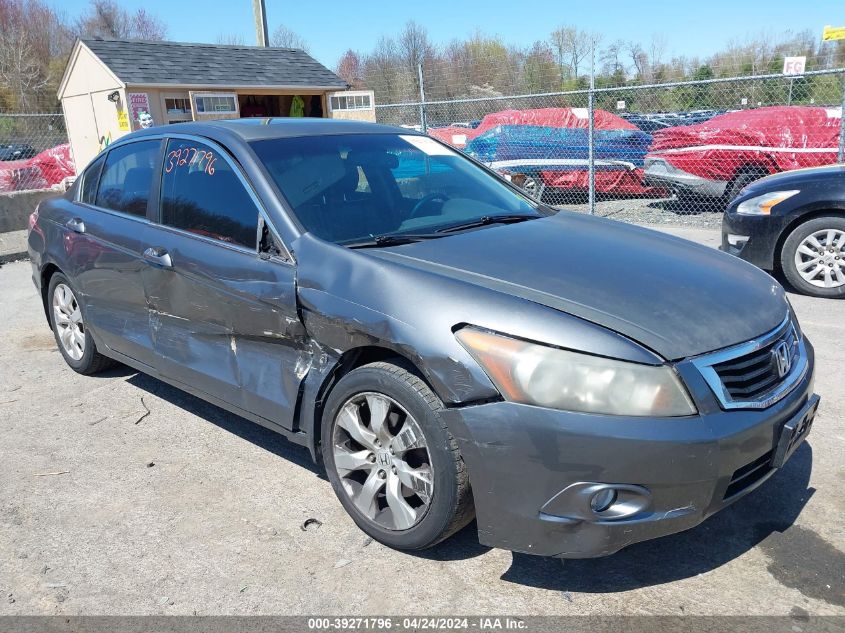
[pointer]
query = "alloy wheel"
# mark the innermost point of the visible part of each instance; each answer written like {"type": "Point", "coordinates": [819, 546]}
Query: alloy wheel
{"type": "Point", "coordinates": [820, 258]}
{"type": "Point", "coordinates": [68, 319]}
{"type": "Point", "coordinates": [382, 460]}
{"type": "Point", "coordinates": [531, 186]}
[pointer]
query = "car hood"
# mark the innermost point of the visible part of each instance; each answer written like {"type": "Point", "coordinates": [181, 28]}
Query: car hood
{"type": "Point", "coordinates": [675, 297]}
{"type": "Point", "coordinates": [830, 175]}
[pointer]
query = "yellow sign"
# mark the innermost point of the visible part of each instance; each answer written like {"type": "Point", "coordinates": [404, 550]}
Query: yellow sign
{"type": "Point", "coordinates": [123, 120]}
{"type": "Point", "coordinates": [831, 33]}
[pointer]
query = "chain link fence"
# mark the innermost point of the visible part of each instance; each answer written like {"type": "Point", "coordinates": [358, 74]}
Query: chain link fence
{"type": "Point", "coordinates": [658, 153]}
{"type": "Point", "coordinates": [34, 152]}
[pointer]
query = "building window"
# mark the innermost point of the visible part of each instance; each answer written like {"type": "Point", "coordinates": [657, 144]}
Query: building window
{"type": "Point", "coordinates": [216, 104]}
{"type": "Point", "coordinates": [177, 107]}
{"type": "Point", "coordinates": [351, 102]}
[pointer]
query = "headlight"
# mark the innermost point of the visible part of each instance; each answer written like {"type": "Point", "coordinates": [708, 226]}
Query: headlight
{"type": "Point", "coordinates": [559, 379]}
{"type": "Point", "coordinates": [762, 205]}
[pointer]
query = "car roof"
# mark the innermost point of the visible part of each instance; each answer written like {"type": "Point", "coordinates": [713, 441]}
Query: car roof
{"type": "Point", "coordinates": [255, 129]}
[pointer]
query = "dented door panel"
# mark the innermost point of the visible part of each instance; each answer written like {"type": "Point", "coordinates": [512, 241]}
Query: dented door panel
{"type": "Point", "coordinates": [225, 321]}
{"type": "Point", "coordinates": [104, 262]}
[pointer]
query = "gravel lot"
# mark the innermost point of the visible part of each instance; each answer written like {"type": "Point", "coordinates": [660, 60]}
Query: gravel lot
{"type": "Point", "coordinates": [701, 213]}
{"type": "Point", "coordinates": [122, 495]}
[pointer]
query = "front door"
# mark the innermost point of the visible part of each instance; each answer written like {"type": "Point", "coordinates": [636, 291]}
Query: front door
{"type": "Point", "coordinates": [223, 316]}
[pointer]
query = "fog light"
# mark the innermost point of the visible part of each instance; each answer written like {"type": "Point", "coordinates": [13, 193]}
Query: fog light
{"type": "Point", "coordinates": [603, 500]}
{"type": "Point", "coordinates": [737, 241]}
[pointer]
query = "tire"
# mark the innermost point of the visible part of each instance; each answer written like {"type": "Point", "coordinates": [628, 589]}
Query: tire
{"type": "Point", "coordinates": [740, 181]}
{"type": "Point", "coordinates": [408, 397]}
{"type": "Point", "coordinates": [818, 229]}
{"type": "Point", "coordinates": [78, 349]}
{"type": "Point", "coordinates": [690, 203]}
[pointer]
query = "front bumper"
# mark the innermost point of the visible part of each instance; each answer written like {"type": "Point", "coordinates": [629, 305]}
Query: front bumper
{"type": "Point", "coordinates": [760, 232]}
{"type": "Point", "coordinates": [523, 462]}
{"type": "Point", "coordinates": [661, 173]}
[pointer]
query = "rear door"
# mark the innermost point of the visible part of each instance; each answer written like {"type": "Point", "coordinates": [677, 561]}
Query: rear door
{"type": "Point", "coordinates": [103, 233]}
{"type": "Point", "coordinates": [223, 314]}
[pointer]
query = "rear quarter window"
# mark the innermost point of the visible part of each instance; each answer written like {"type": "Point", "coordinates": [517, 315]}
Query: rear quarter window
{"type": "Point", "coordinates": [127, 177]}
{"type": "Point", "coordinates": [90, 179]}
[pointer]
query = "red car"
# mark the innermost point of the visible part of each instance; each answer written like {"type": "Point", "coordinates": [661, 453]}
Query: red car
{"type": "Point", "coordinates": [615, 176]}
{"type": "Point", "coordinates": [721, 156]}
{"type": "Point", "coordinates": [42, 171]}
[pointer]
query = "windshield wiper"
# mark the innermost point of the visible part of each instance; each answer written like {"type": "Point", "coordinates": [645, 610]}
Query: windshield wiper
{"type": "Point", "coordinates": [484, 220]}
{"type": "Point", "coordinates": [393, 240]}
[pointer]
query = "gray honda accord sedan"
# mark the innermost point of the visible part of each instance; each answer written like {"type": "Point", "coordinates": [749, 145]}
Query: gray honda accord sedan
{"type": "Point", "coordinates": [447, 347]}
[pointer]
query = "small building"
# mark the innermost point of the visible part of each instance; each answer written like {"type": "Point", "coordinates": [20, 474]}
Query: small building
{"type": "Point", "coordinates": [111, 87]}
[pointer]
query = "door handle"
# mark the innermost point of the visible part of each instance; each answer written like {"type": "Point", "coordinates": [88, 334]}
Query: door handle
{"type": "Point", "coordinates": [76, 225]}
{"type": "Point", "coordinates": [158, 257]}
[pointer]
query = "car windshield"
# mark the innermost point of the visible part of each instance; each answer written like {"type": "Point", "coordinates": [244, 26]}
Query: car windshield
{"type": "Point", "coordinates": [351, 188]}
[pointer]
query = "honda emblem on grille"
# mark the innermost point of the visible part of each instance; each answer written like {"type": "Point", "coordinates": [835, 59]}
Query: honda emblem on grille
{"type": "Point", "coordinates": [781, 360]}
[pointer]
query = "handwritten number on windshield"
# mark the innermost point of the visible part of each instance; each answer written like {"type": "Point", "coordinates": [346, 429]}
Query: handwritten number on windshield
{"type": "Point", "coordinates": [191, 157]}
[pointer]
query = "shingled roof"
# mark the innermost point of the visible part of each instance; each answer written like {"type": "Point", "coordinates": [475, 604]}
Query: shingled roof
{"type": "Point", "coordinates": [137, 62]}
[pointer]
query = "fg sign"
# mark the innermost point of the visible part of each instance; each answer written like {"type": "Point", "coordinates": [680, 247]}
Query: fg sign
{"type": "Point", "coordinates": [794, 65]}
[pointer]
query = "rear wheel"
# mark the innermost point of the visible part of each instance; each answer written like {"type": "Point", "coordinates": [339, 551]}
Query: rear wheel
{"type": "Point", "coordinates": [813, 257]}
{"type": "Point", "coordinates": [742, 180]}
{"type": "Point", "coordinates": [391, 460]}
{"type": "Point", "coordinates": [72, 336]}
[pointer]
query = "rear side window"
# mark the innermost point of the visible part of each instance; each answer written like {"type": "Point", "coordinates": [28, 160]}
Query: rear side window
{"type": "Point", "coordinates": [127, 177]}
{"type": "Point", "coordinates": [88, 192]}
{"type": "Point", "coordinates": [201, 193]}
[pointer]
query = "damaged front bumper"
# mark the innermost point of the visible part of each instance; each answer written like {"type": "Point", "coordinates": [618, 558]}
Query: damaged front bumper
{"type": "Point", "coordinates": [534, 471]}
{"type": "Point", "coordinates": [661, 173]}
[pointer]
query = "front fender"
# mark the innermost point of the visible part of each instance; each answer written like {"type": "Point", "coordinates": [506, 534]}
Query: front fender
{"type": "Point", "coordinates": [353, 298]}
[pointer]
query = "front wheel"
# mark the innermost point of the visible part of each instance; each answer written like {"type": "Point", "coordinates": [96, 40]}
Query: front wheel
{"type": "Point", "coordinates": [813, 257]}
{"type": "Point", "coordinates": [391, 460]}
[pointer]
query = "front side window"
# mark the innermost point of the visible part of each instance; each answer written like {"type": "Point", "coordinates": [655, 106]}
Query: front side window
{"type": "Point", "coordinates": [347, 188]}
{"type": "Point", "coordinates": [202, 194]}
{"type": "Point", "coordinates": [127, 177]}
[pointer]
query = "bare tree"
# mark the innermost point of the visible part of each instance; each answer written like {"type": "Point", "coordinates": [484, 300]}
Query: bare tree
{"type": "Point", "coordinates": [283, 37]}
{"type": "Point", "coordinates": [20, 72]}
{"type": "Point", "coordinates": [381, 70]}
{"type": "Point", "coordinates": [349, 69]}
{"type": "Point", "coordinates": [538, 69]}
{"type": "Point", "coordinates": [34, 44]}
{"type": "Point", "coordinates": [611, 58]}
{"type": "Point", "coordinates": [414, 50]}
{"type": "Point", "coordinates": [145, 26]}
{"type": "Point", "coordinates": [230, 39]}
{"type": "Point", "coordinates": [107, 19]}
{"type": "Point", "coordinates": [639, 59]}
{"type": "Point", "coordinates": [572, 47]}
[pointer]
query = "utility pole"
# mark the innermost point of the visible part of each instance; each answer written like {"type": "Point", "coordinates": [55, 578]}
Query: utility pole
{"type": "Point", "coordinates": [260, 11]}
{"type": "Point", "coordinates": [423, 121]}
{"type": "Point", "coordinates": [591, 106]}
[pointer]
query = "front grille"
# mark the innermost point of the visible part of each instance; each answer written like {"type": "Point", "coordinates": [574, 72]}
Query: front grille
{"type": "Point", "coordinates": [758, 373]}
{"type": "Point", "coordinates": [752, 376]}
{"type": "Point", "coordinates": [749, 475]}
